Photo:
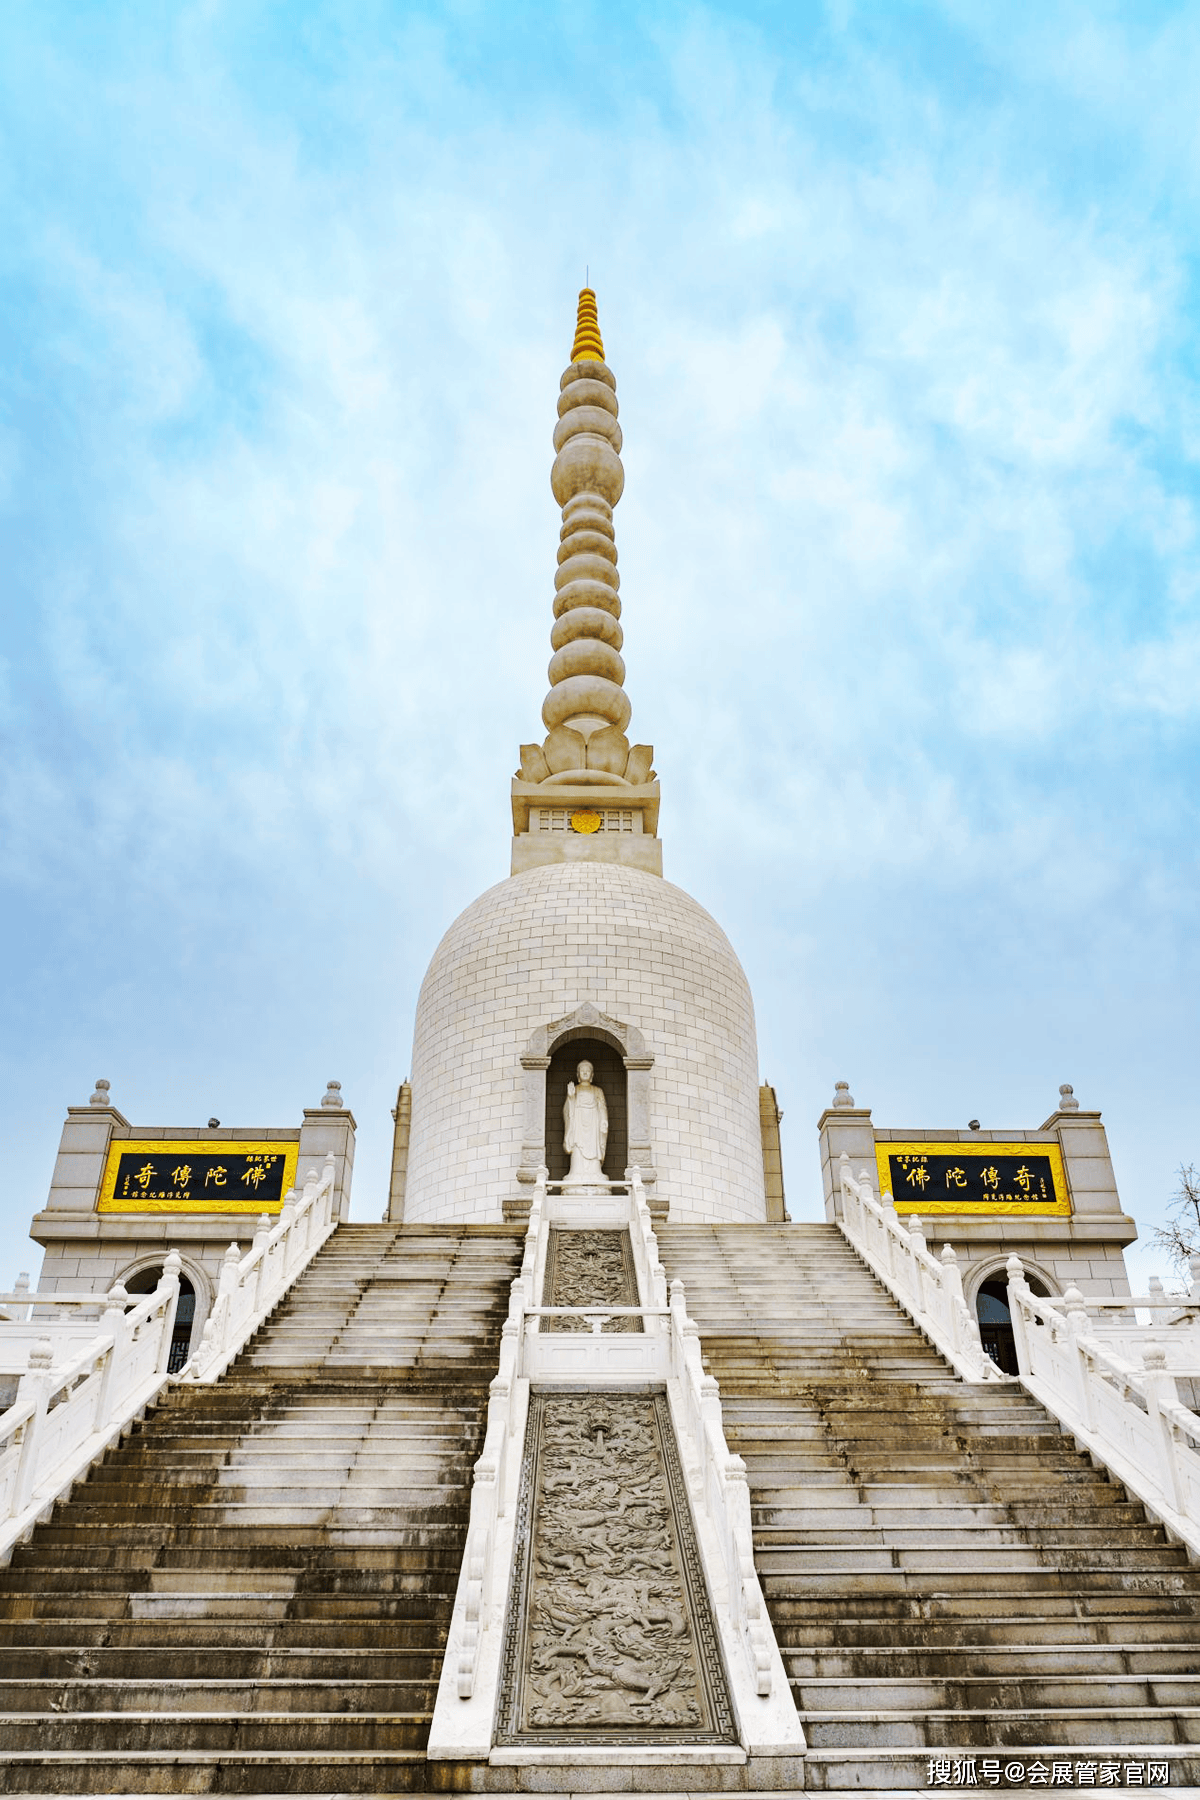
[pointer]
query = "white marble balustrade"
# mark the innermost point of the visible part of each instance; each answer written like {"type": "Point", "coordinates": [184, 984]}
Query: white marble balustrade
{"type": "Point", "coordinates": [83, 1381]}
{"type": "Point", "coordinates": [1107, 1377]}
{"type": "Point", "coordinates": [1113, 1389]}
{"type": "Point", "coordinates": [928, 1288]}
{"type": "Point", "coordinates": [73, 1400]}
{"type": "Point", "coordinates": [667, 1350]}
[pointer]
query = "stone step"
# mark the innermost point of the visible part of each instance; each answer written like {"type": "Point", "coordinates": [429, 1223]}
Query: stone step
{"type": "Point", "coordinates": [936, 1581]}
{"type": "Point", "coordinates": [222, 1535]}
{"type": "Point", "coordinates": [942, 1565]}
{"type": "Point", "coordinates": [287, 1731]}
{"type": "Point", "coordinates": [420, 1548]}
{"type": "Point", "coordinates": [224, 1696]}
{"type": "Point", "coordinates": [976, 1731]}
{"type": "Point", "coordinates": [208, 1664]}
{"type": "Point", "coordinates": [980, 1482]}
{"type": "Point", "coordinates": [252, 1594]}
{"type": "Point", "coordinates": [331, 1772]}
{"type": "Point", "coordinates": [951, 1399]}
{"type": "Point", "coordinates": [820, 1515]}
{"type": "Point", "coordinates": [991, 1561]}
{"type": "Point", "coordinates": [339, 1521]}
{"type": "Point", "coordinates": [876, 1621]}
{"type": "Point", "coordinates": [1064, 1484]}
{"type": "Point", "coordinates": [772, 1432]}
{"type": "Point", "coordinates": [431, 1591]}
{"type": "Point", "coordinates": [162, 1500]}
{"type": "Point", "coordinates": [998, 1460]}
{"type": "Point", "coordinates": [287, 1461]}
{"type": "Point", "coordinates": [957, 1663]}
{"type": "Point", "coordinates": [420, 1560]}
{"type": "Point", "coordinates": [880, 1770]}
{"type": "Point", "coordinates": [457, 1443]}
{"type": "Point", "coordinates": [300, 1434]}
{"type": "Point", "coordinates": [1006, 1694]}
{"type": "Point", "coordinates": [840, 1533]}
{"type": "Point", "coordinates": [285, 1447]}
{"type": "Point", "coordinates": [422, 1624]}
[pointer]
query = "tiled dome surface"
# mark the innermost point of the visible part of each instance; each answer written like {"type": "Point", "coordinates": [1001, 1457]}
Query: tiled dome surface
{"type": "Point", "coordinates": [533, 949]}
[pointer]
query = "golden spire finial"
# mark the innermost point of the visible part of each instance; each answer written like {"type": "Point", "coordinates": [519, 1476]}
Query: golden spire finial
{"type": "Point", "coordinates": [588, 345]}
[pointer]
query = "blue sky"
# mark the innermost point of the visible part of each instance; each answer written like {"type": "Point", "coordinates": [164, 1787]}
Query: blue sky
{"type": "Point", "coordinates": [902, 305]}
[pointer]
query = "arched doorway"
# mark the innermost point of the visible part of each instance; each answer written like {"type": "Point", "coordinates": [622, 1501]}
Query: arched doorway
{"type": "Point", "coordinates": [608, 1073]}
{"type": "Point", "coordinates": [145, 1282]}
{"type": "Point", "coordinates": [995, 1319]}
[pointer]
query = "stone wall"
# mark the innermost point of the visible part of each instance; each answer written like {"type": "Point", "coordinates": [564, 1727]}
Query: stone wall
{"type": "Point", "coordinates": [88, 1250]}
{"type": "Point", "coordinates": [1084, 1250]}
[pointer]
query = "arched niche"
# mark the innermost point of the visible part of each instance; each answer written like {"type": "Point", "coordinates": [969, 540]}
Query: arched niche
{"type": "Point", "coordinates": [995, 1317]}
{"type": "Point", "coordinates": [553, 1045]}
{"type": "Point", "coordinates": [191, 1309]}
{"type": "Point", "coordinates": [608, 1074]}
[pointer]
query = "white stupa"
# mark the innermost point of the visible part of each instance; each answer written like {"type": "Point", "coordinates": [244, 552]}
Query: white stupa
{"type": "Point", "coordinates": [585, 951]}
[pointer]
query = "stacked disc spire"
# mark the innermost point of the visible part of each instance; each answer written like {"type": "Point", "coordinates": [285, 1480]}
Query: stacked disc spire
{"type": "Point", "coordinates": [587, 709]}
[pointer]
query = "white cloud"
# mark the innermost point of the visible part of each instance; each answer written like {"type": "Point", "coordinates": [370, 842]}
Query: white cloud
{"type": "Point", "coordinates": [892, 391]}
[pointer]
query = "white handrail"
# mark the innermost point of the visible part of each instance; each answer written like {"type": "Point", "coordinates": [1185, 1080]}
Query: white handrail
{"type": "Point", "coordinates": [52, 1299]}
{"type": "Point", "coordinates": [490, 1496]}
{"type": "Point", "coordinates": [929, 1290]}
{"type": "Point", "coordinates": [726, 1492]}
{"type": "Point", "coordinates": [464, 1710]}
{"type": "Point", "coordinates": [726, 1495]}
{"type": "Point", "coordinates": [66, 1416]}
{"type": "Point", "coordinates": [1160, 1302]}
{"type": "Point", "coordinates": [1127, 1414]}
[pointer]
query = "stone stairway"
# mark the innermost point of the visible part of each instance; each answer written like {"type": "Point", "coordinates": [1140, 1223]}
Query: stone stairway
{"type": "Point", "coordinates": [251, 1595]}
{"type": "Point", "coordinates": [948, 1576]}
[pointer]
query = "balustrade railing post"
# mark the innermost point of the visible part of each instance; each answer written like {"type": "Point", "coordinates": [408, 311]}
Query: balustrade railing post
{"type": "Point", "coordinates": [34, 1386]}
{"type": "Point", "coordinates": [1079, 1327]}
{"type": "Point", "coordinates": [892, 1233]}
{"type": "Point", "coordinates": [916, 1261]}
{"type": "Point", "coordinates": [1018, 1289]}
{"type": "Point", "coordinates": [167, 1292]}
{"type": "Point", "coordinates": [952, 1290]}
{"type": "Point", "coordinates": [223, 1304]}
{"type": "Point", "coordinates": [112, 1324]}
{"type": "Point", "coordinates": [1158, 1385]}
{"type": "Point", "coordinates": [286, 1241]}
{"type": "Point", "coordinates": [262, 1232]}
{"type": "Point", "coordinates": [123, 1347]}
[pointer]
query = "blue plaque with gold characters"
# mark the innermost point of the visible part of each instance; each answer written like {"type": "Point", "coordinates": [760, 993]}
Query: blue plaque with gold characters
{"type": "Point", "coordinates": [974, 1178]}
{"type": "Point", "coordinates": [166, 1176]}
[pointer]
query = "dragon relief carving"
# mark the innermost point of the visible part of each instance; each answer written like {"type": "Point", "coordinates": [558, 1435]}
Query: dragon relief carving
{"type": "Point", "coordinates": [590, 1268]}
{"type": "Point", "coordinates": [616, 1638]}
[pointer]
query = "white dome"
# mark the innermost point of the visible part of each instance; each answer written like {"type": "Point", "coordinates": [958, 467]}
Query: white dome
{"type": "Point", "coordinates": [532, 950]}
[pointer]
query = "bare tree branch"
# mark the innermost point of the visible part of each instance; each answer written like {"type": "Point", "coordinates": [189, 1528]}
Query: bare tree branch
{"type": "Point", "coordinates": [1180, 1238]}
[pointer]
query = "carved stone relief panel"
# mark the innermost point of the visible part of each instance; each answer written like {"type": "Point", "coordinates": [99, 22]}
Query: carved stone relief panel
{"type": "Point", "coordinates": [590, 1268]}
{"type": "Point", "coordinates": [610, 1637]}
